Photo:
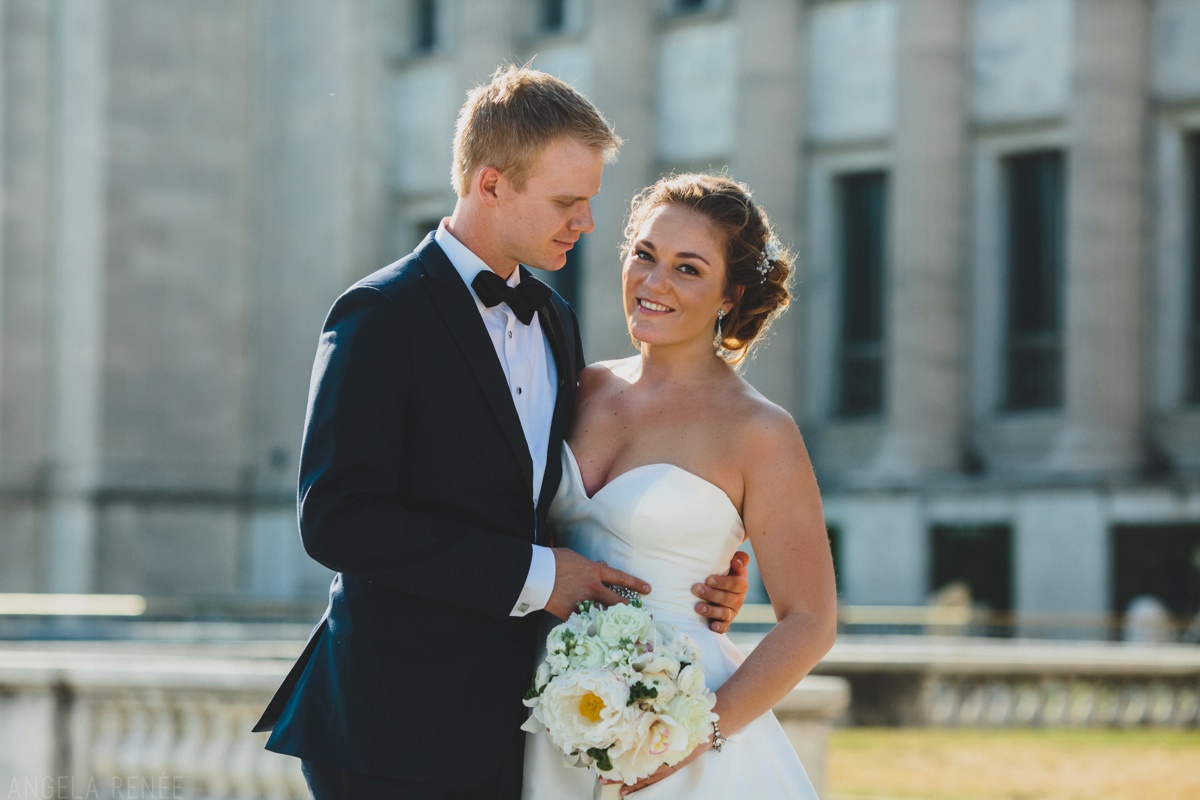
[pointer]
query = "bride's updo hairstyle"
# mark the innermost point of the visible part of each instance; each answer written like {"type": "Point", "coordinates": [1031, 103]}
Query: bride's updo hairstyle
{"type": "Point", "coordinates": [755, 261]}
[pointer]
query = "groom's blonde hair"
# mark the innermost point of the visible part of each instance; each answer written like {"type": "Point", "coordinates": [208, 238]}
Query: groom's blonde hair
{"type": "Point", "coordinates": [507, 122]}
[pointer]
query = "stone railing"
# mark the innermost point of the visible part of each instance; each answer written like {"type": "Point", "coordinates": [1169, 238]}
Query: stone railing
{"type": "Point", "coordinates": [126, 721]}
{"type": "Point", "coordinates": [990, 682]}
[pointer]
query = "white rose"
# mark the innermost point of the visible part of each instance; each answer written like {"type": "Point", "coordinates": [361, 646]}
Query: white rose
{"type": "Point", "coordinates": [583, 709]}
{"type": "Point", "coordinates": [588, 652]}
{"type": "Point", "coordinates": [622, 622]}
{"type": "Point", "coordinates": [657, 740]}
{"type": "Point", "coordinates": [691, 679]}
{"type": "Point", "coordinates": [695, 714]}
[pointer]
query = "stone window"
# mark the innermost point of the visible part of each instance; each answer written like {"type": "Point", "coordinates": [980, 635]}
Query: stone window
{"type": "Point", "coordinates": [978, 558]}
{"type": "Point", "coordinates": [425, 27]}
{"type": "Point", "coordinates": [551, 16]}
{"type": "Point", "coordinates": [861, 199]}
{"type": "Point", "coordinates": [1193, 179]}
{"type": "Point", "coordinates": [1159, 561]}
{"type": "Point", "coordinates": [1033, 322]}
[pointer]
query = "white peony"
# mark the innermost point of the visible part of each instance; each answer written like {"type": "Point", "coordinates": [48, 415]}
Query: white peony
{"type": "Point", "coordinates": [694, 712]}
{"type": "Point", "coordinates": [582, 709]}
{"type": "Point", "coordinates": [656, 740]}
{"type": "Point", "coordinates": [622, 622]}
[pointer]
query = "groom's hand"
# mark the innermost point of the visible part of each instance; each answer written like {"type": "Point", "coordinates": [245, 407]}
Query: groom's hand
{"type": "Point", "coordinates": [723, 595]}
{"type": "Point", "coordinates": [577, 579]}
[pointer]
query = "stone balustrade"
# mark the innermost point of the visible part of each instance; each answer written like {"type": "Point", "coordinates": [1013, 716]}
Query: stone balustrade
{"type": "Point", "coordinates": [140, 720]}
{"type": "Point", "coordinates": [998, 682]}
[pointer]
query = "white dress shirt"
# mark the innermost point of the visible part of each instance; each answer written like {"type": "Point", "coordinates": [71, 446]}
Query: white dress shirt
{"type": "Point", "coordinates": [528, 364]}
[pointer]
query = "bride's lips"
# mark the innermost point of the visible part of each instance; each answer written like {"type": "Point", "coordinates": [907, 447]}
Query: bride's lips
{"type": "Point", "coordinates": [653, 308]}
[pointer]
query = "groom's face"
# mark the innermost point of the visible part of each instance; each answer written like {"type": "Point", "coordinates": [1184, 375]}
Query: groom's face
{"type": "Point", "coordinates": [543, 221]}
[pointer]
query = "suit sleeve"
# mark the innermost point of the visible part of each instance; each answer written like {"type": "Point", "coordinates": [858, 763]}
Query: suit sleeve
{"type": "Point", "coordinates": [350, 519]}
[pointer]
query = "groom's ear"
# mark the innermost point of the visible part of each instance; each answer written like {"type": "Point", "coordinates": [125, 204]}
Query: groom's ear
{"type": "Point", "coordinates": [487, 183]}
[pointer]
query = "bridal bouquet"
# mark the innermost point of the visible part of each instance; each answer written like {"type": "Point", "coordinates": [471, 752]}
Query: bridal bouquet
{"type": "Point", "coordinates": [620, 693]}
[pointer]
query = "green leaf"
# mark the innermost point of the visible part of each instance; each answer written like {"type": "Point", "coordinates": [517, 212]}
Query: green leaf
{"type": "Point", "coordinates": [640, 691]}
{"type": "Point", "coordinates": [603, 762]}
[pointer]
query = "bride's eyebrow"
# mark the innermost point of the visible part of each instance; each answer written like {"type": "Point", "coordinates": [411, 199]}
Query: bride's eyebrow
{"type": "Point", "coordinates": [696, 256]}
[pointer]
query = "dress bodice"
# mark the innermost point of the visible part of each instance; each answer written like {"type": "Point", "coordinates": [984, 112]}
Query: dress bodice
{"type": "Point", "coordinates": [658, 522]}
{"type": "Point", "coordinates": [672, 529]}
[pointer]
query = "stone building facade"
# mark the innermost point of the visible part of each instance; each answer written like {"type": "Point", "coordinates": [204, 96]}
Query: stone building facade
{"type": "Point", "coordinates": [994, 352]}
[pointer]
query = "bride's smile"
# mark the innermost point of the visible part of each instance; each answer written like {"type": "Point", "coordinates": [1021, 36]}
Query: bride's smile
{"type": "Point", "coordinates": [674, 278]}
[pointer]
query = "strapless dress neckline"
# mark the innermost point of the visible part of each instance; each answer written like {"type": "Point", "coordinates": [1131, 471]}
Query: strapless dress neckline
{"type": "Point", "coordinates": [573, 462]}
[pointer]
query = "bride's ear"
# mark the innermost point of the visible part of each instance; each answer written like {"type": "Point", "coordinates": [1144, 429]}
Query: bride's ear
{"type": "Point", "coordinates": [733, 296]}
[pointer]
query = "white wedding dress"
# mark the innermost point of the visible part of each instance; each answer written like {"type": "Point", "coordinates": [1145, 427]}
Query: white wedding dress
{"type": "Point", "coordinates": [672, 529]}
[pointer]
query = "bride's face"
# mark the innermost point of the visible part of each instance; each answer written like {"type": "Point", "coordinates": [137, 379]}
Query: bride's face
{"type": "Point", "coordinates": [673, 279]}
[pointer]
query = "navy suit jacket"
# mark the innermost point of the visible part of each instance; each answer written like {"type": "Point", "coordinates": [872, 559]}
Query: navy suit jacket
{"type": "Point", "coordinates": [416, 488]}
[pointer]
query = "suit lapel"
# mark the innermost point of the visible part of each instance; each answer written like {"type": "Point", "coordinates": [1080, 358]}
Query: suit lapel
{"type": "Point", "coordinates": [555, 328]}
{"type": "Point", "coordinates": [457, 308]}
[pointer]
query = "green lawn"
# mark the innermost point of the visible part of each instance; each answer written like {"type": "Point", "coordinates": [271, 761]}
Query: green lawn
{"type": "Point", "coordinates": [1025, 764]}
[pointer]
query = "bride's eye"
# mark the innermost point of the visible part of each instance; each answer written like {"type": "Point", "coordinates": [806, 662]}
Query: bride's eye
{"type": "Point", "coordinates": [688, 269]}
{"type": "Point", "coordinates": [642, 255]}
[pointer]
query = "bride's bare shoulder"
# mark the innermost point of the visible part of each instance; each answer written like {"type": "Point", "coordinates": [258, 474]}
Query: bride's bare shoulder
{"type": "Point", "coordinates": [603, 374]}
{"type": "Point", "coordinates": [764, 425]}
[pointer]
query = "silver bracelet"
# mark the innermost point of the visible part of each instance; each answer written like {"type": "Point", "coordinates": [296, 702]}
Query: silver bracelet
{"type": "Point", "coordinates": [621, 591]}
{"type": "Point", "coordinates": [718, 741]}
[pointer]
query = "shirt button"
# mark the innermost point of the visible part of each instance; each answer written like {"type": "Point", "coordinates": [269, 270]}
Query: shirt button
{"type": "Point", "coordinates": [518, 390]}
{"type": "Point", "coordinates": [510, 334]}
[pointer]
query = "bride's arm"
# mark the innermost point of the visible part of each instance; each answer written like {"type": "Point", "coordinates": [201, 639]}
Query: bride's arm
{"type": "Point", "coordinates": [782, 513]}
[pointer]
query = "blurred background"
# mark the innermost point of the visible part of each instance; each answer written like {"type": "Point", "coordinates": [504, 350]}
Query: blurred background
{"type": "Point", "coordinates": [993, 349]}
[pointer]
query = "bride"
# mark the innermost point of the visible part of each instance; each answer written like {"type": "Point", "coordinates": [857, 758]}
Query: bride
{"type": "Point", "coordinates": [675, 459]}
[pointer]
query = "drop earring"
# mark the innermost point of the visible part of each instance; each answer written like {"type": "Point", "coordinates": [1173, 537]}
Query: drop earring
{"type": "Point", "coordinates": [718, 337]}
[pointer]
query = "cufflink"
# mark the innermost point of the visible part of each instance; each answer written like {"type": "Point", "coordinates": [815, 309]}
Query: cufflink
{"type": "Point", "coordinates": [522, 607]}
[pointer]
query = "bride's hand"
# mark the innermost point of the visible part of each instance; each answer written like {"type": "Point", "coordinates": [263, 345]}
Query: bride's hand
{"type": "Point", "coordinates": [662, 771]}
{"type": "Point", "coordinates": [723, 595]}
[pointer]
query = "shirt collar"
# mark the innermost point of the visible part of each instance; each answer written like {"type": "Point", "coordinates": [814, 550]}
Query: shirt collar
{"type": "Point", "coordinates": [465, 262]}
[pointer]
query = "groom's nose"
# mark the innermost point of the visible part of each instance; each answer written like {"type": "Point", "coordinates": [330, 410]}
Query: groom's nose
{"type": "Point", "coordinates": [582, 220]}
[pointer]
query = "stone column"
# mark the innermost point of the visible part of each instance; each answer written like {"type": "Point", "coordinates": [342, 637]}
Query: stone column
{"type": "Point", "coordinates": [924, 379]}
{"type": "Point", "coordinates": [319, 198]}
{"type": "Point", "coordinates": [621, 37]}
{"type": "Point", "coordinates": [1105, 250]}
{"type": "Point", "coordinates": [79, 220]}
{"type": "Point", "coordinates": [772, 56]}
{"type": "Point", "coordinates": [26, 45]}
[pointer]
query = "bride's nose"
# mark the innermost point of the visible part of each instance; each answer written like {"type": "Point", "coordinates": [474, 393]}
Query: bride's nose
{"type": "Point", "coordinates": [654, 276]}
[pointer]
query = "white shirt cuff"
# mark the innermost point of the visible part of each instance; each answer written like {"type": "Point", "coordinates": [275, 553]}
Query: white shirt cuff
{"type": "Point", "coordinates": [539, 583]}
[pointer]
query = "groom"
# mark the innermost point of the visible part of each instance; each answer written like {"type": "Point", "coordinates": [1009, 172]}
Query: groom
{"type": "Point", "coordinates": [442, 390]}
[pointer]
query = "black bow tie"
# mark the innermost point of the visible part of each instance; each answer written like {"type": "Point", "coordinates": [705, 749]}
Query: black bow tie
{"type": "Point", "coordinates": [525, 298]}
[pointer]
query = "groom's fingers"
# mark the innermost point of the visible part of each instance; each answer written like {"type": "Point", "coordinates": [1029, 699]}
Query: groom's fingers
{"type": "Point", "coordinates": [615, 577]}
